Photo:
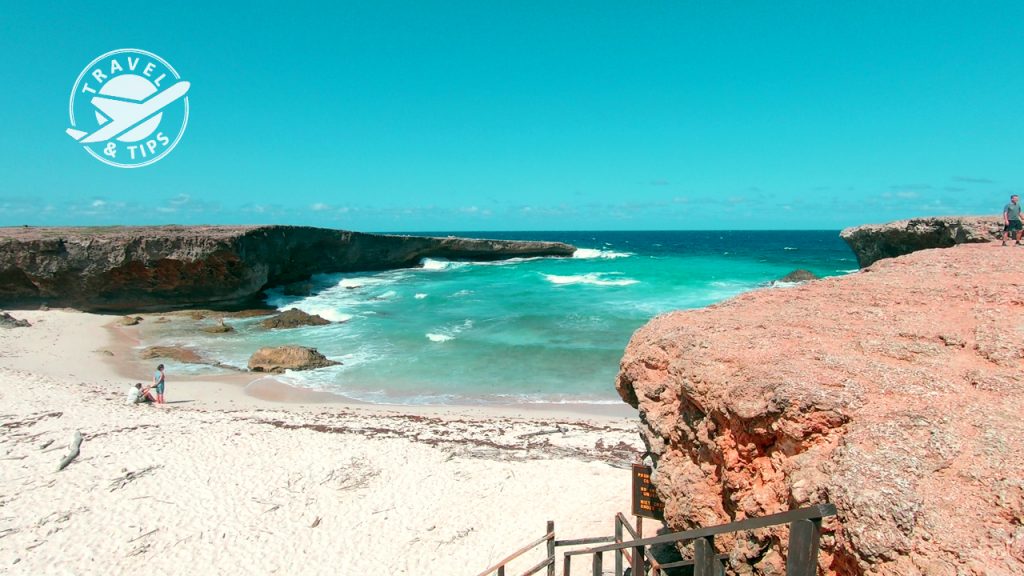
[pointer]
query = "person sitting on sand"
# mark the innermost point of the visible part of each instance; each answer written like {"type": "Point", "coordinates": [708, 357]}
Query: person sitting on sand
{"type": "Point", "coordinates": [158, 383]}
{"type": "Point", "coordinates": [139, 395]}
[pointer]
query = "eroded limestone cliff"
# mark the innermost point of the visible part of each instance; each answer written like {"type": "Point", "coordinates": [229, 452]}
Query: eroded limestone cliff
{"type": "Point", "coordinates": [873, 242]}
{"type": "Point", "coordinates": [895, 393]}
{"type": "Point", "coordinates": [164, 267]}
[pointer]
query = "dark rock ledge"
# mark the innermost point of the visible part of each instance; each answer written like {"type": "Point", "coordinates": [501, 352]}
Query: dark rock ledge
{"type": "Point", "coordinates": [153, 268]}
{"type": "Point", "coordinates": [873, 242]}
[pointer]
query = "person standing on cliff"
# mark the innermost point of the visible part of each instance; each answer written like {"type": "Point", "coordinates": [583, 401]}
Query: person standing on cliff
{"type": "Point", "coordinates": [158, 383]}
{"type": "Point", "coordinates": [1011, 220]}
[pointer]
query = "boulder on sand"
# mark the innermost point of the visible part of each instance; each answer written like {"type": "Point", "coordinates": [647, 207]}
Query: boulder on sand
{"type": "Point", "coordinates": [281, 358]}
{"type": "Point", "coordinates": [294, 318]}
{"type": "Point", "coordinates": [183, 355]}
{"type": "Point", "coordinates": [8, 321]}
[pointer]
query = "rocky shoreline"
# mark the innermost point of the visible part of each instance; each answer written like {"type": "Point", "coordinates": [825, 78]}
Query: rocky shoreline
{"type": "Point", "coordinates": [874, 242]}
{"type": "Point", "coordinates": [894, 393]}
{"type": "Point", "coordinates": [132, 269]}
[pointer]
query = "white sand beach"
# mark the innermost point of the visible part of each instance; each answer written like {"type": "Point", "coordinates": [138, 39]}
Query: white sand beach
{"type": "Point", "coordinates": [221, 481]}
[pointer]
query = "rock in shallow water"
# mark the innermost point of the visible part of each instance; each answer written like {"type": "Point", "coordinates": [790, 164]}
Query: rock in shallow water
{"type": "Point", "coordinates": [218, 328]}
{"type": "Point", "coordinates": [293, 318]}
{"type": "Point", "coordinates": [799, 275]}
{"type": "Point", "coordinates": [281, 358]}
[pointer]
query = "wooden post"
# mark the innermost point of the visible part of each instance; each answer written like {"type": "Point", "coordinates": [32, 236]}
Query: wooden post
{"type": "Point", "coordinates": [638, 551]}
{"type": "Point", "coordinates": [598, 560]}
{"type": "Point", "coordinates": [501, 571]}
{"type": "Point", "coordinates": [703, 557]}
{"type": "Point", "coordinates": [566, 566]}
{"type": "Point", "coordinates": [618, 553]}
{"type": "Point", "coordinates": [803, 548]}
{"type": "Point", "coordinates": [551, 548]}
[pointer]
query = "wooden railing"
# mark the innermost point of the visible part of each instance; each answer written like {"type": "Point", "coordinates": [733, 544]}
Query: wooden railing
{"type": "Point", "coordinates": [548, 562]}
{"type": "Point", "coordinates": [802, 559]}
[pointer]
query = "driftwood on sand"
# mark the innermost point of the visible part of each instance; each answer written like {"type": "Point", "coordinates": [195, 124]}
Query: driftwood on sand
{"type": "Point", "coordinates": [76, 443]}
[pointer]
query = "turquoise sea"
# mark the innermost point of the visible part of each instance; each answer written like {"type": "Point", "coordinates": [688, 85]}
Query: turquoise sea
{"type": "Point", "coordinates": [539, 330]}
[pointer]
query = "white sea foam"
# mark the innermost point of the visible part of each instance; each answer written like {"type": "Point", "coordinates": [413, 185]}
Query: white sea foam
{"type": "Point", "coordinates": [463, 293]}
{"type": "Point", "coordinates": [593, 278]}
{"type": "Point", "coordinates": [420, 296]}
{"type": "Point", "coordinates": [510, 261]}
{"type": "Point", "coordinates": [605, 254]}
{"type": "Point", "coordinates": [441, 264]}
{"type": "Point", "coordinates": [789, 248]}
{"type": "Point", "coordinates": [540, 399]}
{"type": "Point", "coordinates": [450, 332]}
{"type": "Point", "coordinates": [366, 281]}
{"type": "Point", "coordinates": [327, 313]}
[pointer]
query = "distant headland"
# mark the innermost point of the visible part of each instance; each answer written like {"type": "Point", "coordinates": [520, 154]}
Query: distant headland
{"type": "Point", "coordinates": [118, 269]}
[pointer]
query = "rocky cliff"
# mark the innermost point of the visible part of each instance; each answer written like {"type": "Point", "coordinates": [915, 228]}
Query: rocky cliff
{"type": "Point", "coordinates": [895, 393]}
{"type": "Point", "coordinates": [152, 268]}
{"type": "Point", "coordinates": [876, 241]}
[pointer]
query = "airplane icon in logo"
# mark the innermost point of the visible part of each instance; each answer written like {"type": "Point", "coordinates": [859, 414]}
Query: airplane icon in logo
{"type": "Point", "coordinates": [126, 114]}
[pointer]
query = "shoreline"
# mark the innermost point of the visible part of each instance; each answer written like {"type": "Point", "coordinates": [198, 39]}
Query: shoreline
{"type": "Point", "coordinates": [259, 389]}
{"type": "Point", "coordinates": [227, 482]}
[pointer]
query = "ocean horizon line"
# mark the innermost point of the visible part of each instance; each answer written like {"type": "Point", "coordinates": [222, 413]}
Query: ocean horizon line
{"type": "Point", "coordinates": [442, 231]}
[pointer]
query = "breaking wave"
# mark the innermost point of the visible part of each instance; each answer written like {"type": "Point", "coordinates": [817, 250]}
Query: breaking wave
{"type": "Point", "coordinates": [449, 333]}
{"type": "Point", "coordinates": [593, 279]}
{"type": "Point", "coordinates": [594, 253]}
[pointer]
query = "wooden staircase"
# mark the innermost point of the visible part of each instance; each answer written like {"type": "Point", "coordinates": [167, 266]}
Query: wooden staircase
{"type": "Point", "coordinates": [802, 560]}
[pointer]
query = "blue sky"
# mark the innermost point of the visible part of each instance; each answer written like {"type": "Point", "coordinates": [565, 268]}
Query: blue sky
{"type": "Point", "coordinates": [524, 115]}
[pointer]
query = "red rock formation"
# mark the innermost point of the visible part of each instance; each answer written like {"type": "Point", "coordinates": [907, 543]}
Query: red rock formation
{"type": "Point", "coordinates": [895, 392]}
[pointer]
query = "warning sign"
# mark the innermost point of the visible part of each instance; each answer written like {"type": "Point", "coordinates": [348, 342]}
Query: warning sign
{"type": "Point", "coordinates": [645, 500]}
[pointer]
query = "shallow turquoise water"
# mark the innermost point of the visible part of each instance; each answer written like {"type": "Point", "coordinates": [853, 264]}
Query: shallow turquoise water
{"type": "Point", "coordinates": [533, 330]}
